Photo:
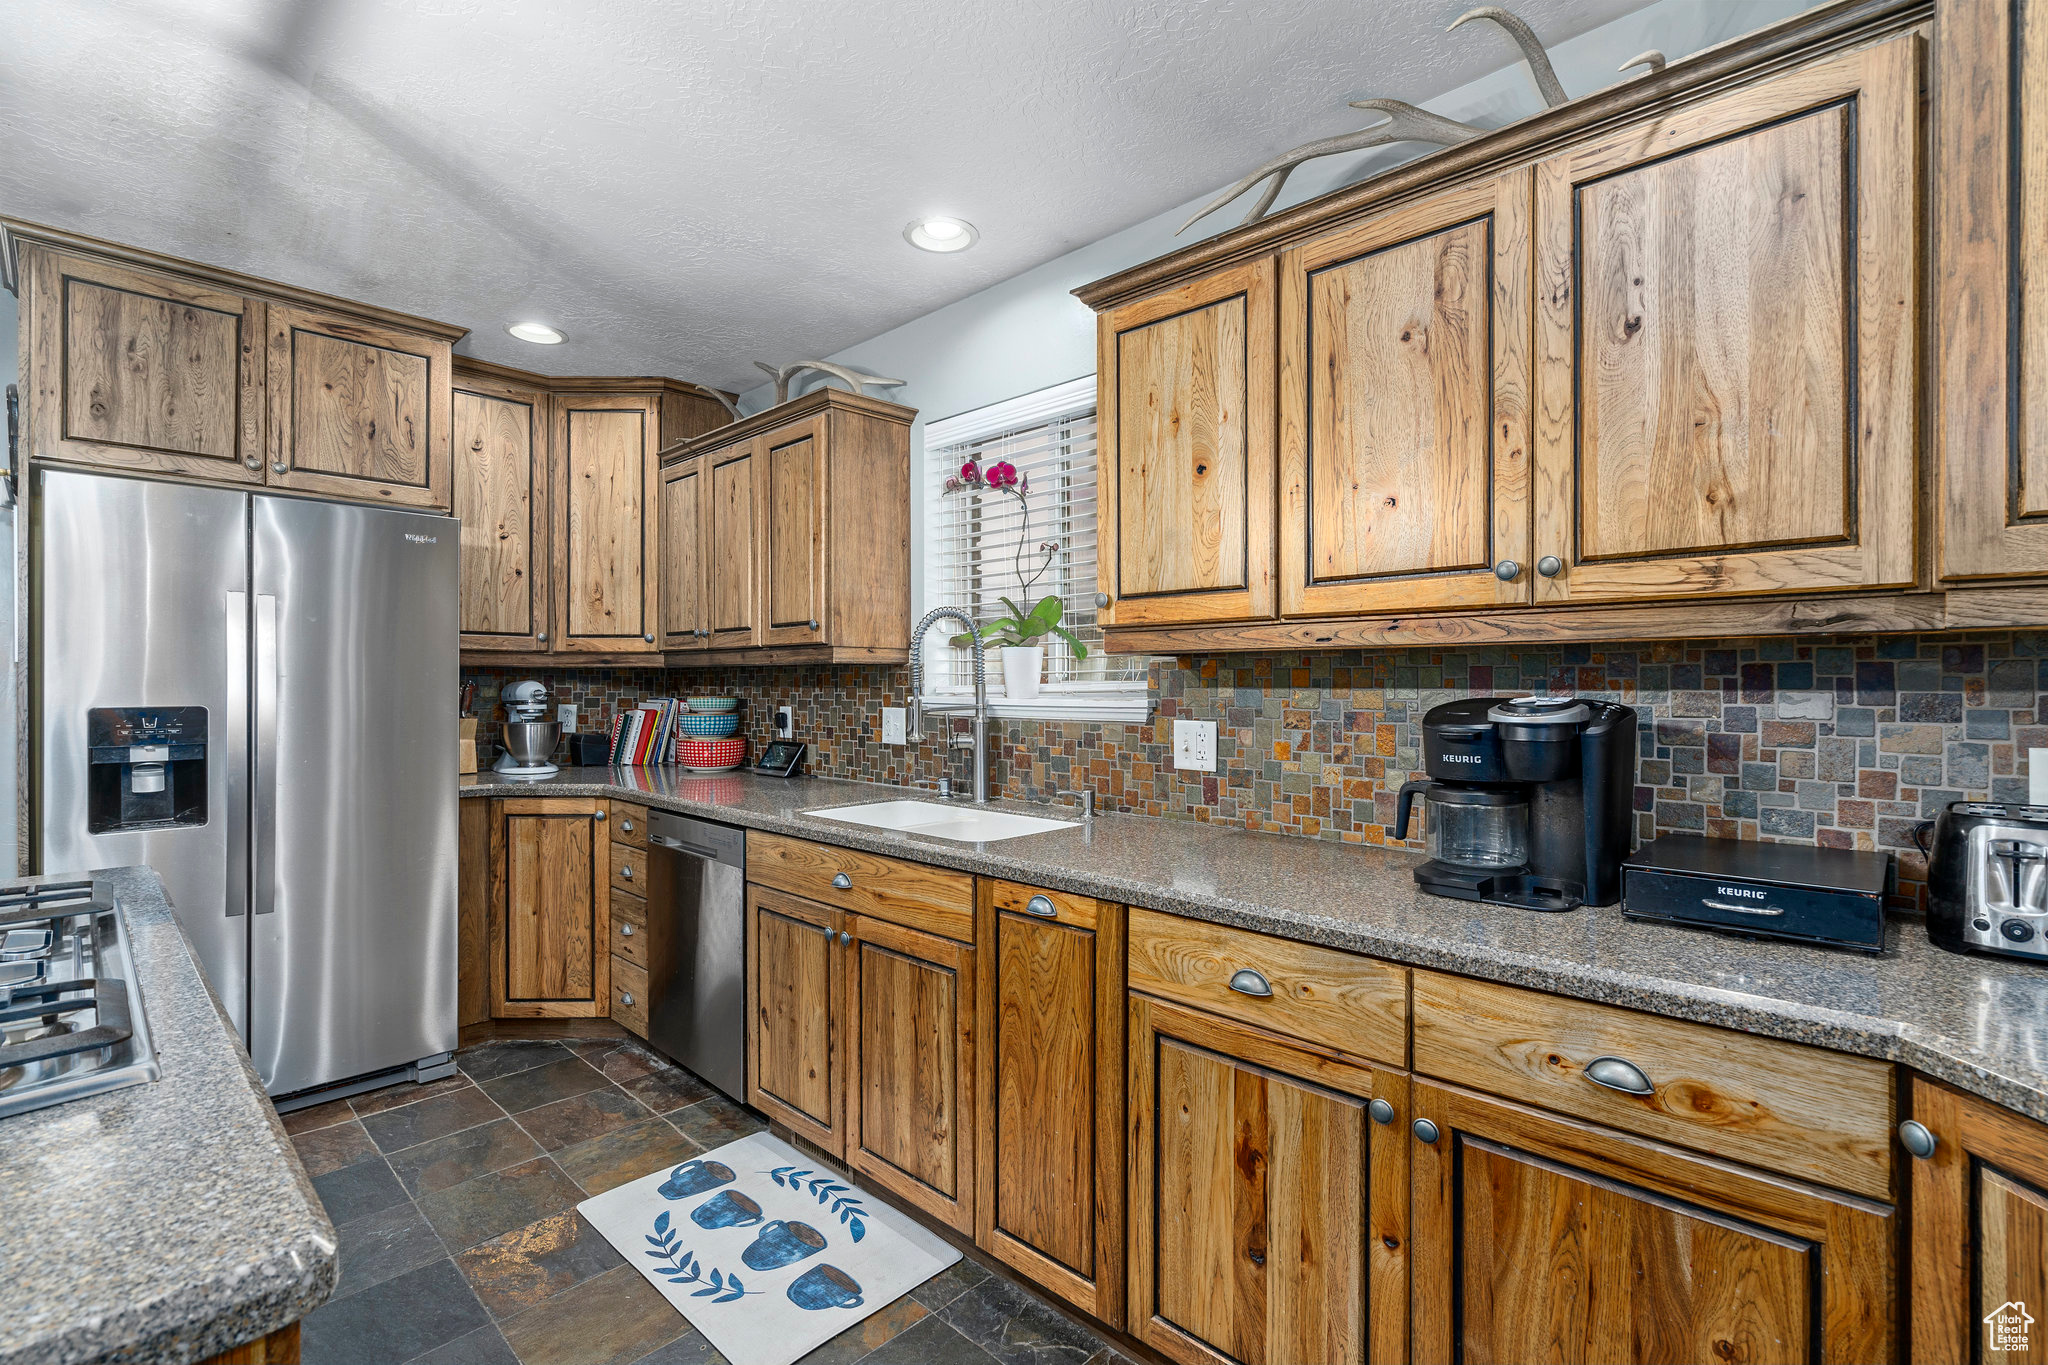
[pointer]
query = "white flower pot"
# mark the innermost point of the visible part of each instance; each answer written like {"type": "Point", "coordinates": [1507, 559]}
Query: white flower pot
{"type": "Point", "coordinates": [1022, 669]}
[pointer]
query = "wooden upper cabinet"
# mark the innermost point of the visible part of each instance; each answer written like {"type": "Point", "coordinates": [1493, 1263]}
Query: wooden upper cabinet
{"type": "Point", "coordinates": [1543, 1238]}
{"type": "Point", "coordinates": [140, 370]}
{"type": "Point", "coordinates": [732, 533]}
{"type": "Point", "coordinates": [1185, 431]}
{"type": "Point", "coordinates": [501, 497]}
{"type": "Point", "coordinates": [1991, 232]}
{"type": "Point", "coordinates": [606, 491]}
{"type": "Point", "coordinates": [552, 871]}
{"type": "Point", "coordinates": [685, 611]}
{"type": "Point", "coordinates": [1404, 408]}
{"type": "Point", "coordinates": [358, 410]}
{"type": "Point", "coordinates": [1979, 1237]}
{"type": "Point", "coordinates": [1726, 340]}
{"type": "Point", "coordinates": [794, 525]}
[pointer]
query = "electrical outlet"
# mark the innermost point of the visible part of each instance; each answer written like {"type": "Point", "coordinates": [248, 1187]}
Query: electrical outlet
{"type": "Point", "coordinates": [566, 714]}
{"type": "Point", "coordinates": [1194, 745]}
{"type": "Point", "coordinates": [895, 725]}
{"type": "Point", "coordinates": [2037, 777]}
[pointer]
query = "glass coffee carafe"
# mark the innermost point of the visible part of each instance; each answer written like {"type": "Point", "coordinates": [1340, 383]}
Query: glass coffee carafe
{"type": "Point", "coordinates": [1478, 827]}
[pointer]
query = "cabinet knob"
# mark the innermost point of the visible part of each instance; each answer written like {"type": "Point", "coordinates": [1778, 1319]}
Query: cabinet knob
{"type": "Point", "coordinates": [625, 931]}
{"type": "Point", "coordinates": [600, 812]}
{"type": "Point", "coordinates": [845, 939]}
{"type": "Point", "coordinates": [625, 997]}
{"type": "Point", "coordinates": [814, 625]}
{"type": "Point", "coordinates": [627, 872]}
{"type": "Point", "coordinates": [1507, 571]}
{"type": "Point", "coordinates": [253, 464]}
{"type": "Point", "coordinates": [842, 882]}
{"type": "Point", "coordinates": [1245, 981]}
{"type": "Point", "coordinates": [1382, 1112]}
{"type": "Point", "coordinates": [1915, 1138]}
{"type": "Point", "coordinates": [1102, 599]}
{"type": "Point", "coordinates": [649, 638]}
{"type": "Point", "coordinates": [542, 637]}
{"type": "Point", "coordinates": [279, 467]}
{"type": "Point", "coordinates": [1424, 1129]}
{"type": "Point", "coordinates": [1550, 566]}
{"type": "Point", "coordinates": [1616, 1073]}
{"type": "Point", "coordinates": [1041, 905]}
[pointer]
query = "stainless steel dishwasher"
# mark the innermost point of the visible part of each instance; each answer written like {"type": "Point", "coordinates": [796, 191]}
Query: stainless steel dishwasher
{"type": "Point", "coordinates": [696, 947]}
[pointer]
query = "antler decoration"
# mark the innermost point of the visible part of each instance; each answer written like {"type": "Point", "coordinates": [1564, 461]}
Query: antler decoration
{"type": "Point", "coordinates": [853, 379]}
{"type": "Point", "coordinates": [1653, 59]}
{"type": "Point", "coordinates": [1404, 122]}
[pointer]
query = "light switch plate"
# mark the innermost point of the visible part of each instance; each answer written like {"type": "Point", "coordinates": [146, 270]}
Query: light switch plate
{"type": "Point", "coordinates": [2037, 777]}
{"type": "Point", "coordinates": [895, 725]}
{"type": "Point", "coordinates": [1194, 745]}
{"type": "Point", "coordinates": [566, 714]}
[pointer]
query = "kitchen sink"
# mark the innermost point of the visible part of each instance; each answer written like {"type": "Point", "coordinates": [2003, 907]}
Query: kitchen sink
{"type": "Point", "coordinates": [968, 824]}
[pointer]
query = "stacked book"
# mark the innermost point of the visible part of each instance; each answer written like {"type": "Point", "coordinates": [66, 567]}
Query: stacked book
{"type": "Point", "coordinates": [646, 734]}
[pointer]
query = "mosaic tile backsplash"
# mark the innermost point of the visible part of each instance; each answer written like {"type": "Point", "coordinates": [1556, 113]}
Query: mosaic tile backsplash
{"type": "Point", "coordinates": [1847, 742]}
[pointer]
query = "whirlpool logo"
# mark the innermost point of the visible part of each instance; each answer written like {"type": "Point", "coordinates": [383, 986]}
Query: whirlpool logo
{"type": "Point", "coordinates": [417, 539]}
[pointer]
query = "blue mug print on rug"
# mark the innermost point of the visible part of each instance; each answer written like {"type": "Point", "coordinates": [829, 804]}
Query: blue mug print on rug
{"type": "Point", "coordinates": [726, 1209]}
{"type": "Point", "coordinates": [781, 1244]}
{"type": "Point", "coordinates": [695, 1177]}
{"type": "Point", "coordinates": [834, 1196]}
{"type": "Point", "coordinates": [825, 1286]}
{"type": "Point", "coordinates": [683, 1267]}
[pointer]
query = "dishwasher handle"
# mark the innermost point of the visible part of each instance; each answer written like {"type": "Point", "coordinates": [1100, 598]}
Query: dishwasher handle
{"type": "Point", "coordinates": [694, 850]}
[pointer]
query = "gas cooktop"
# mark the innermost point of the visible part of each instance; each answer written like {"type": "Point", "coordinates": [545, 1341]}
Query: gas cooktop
{"type": "Point", "coordinates": [71, 1021]}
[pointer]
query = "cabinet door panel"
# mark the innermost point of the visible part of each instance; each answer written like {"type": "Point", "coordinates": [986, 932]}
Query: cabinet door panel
{"type": "Point", "coordinates": [796, 536]}
{"type": "Point", "coordinates": [1541, 1238]}
{"type": "Point", "coordinates": [132, 369]}
{"type": "Point", "coordinates": [910, 1118]}
{"type": "Point", "coordinates": [794, 996]}
{"type": "Point", "coordinates": [549, 957]}
{"type": "Point", "coordinates": [683, 508]}
{"type": "Point", "coordinates": [734, 572]}
{"type": "Point", "coordinates": [501, 498]}
{"type": "Point", "coordinates": [606, 492]}
{"type": "Point", "coordinates": [358, 411]}
{"type": "Point", "coordinates": [1404, 406]}
{"type": "Point", "coordinates": [1980, 1229]}
{"type": "Point", "coordinates": [1991, 349]}
{"type": "Point", "coordinates": [1725, 392]}
{"type": "Point", "coordinates": [1186, 432]}
{"type": "Point", "coordinates": [1269, 1213]}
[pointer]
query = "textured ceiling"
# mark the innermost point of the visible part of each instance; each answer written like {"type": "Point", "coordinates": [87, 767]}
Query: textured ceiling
{"type": "Point", "coordinates": [680, 187]}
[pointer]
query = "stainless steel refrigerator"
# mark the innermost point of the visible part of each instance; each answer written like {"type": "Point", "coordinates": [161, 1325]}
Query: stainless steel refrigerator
{"type": "Point", "coordinates": [255, 695]}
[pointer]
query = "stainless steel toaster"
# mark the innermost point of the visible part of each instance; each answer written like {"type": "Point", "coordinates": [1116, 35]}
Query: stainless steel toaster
{"type": "Point", "coordinates": [1987, 879]}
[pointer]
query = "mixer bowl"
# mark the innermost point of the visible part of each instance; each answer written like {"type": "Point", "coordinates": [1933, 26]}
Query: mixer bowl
{"type": "Point", "coordinates": [532, 742]}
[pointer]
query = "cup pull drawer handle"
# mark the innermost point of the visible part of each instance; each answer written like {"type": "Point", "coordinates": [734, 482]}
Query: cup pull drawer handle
{"type": "Point", "coordinates": [626, 930]}
{"type": "Point", "coordinates": [626, 825]}
{"type": "Point", "coordinates": [842, 882]}
{"type": "Point", "coordinates": [625, 997]}
{"type": "Point", "coordinates": [1041, 905]}
{"type": "Point", "coordinates": [1616, 1074]}
{"type": "Point", "coordinates": [627, 872]}
{"type": "Point", "coordinates": [1245, 981]}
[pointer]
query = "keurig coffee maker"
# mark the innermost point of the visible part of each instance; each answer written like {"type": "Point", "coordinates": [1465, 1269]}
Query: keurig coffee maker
{"type": "Point", "coordinates": [1529, 800]}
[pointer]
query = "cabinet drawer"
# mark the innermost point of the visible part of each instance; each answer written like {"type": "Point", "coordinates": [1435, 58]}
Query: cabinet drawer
{"type": "Point", "coordinates": [629, 824]}
{"type": "Point", "coordinates": [1061, 907]}
{"type": "Point", "coordinates": [629, 929]}
{"type": "Point", "coordinates": [629, 869]}
{"type": "Point", "coordinates": [1785, 1107]}
{"type": "Point", "coordinates": [1320, 995]}
{"type": "Point", "coordinates": [629, 996]}
{"type": "Point", "coordinates": [909, 894]}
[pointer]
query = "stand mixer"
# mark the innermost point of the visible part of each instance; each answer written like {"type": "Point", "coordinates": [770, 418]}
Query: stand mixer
{"type": "Point", "coordinates": [529, 740]}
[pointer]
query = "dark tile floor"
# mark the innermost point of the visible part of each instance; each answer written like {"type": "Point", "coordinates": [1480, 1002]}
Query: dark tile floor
{"type": "Point", "coordinates": [455, 1205]}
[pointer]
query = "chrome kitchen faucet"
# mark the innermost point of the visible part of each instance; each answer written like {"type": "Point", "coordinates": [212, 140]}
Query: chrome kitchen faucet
{"type": "Point", "coordinates": [979, 742]}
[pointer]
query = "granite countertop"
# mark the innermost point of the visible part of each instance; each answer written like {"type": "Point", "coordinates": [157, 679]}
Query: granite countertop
{"type": "Point", "coordinates": [1979, 1023]}
{"type": "Point", "coordinates": [162, 1222]}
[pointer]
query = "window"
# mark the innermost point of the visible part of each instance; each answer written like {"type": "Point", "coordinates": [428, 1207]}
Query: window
{"type": "Point", "coordinates": [979, 549]}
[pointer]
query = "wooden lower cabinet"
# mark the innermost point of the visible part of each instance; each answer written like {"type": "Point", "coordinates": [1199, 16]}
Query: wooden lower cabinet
{"type": "Point", "coordinates": [551, 870]}
{"type": "Point", "coordinates": [1050, 1084]}
{"type": "Point", "coordinates": [910, 1066]}
{"type": "Point", "coordinates": [1542, 1238]}
{"type": "Point", "coordinates": [1268, 1206]}
{"type": "Point", "coordinates": [1979, 1232]}
{"type": "Point", "coordinates": [796, 999]}
{"type": "Point", "coordinates": [277, 1348]}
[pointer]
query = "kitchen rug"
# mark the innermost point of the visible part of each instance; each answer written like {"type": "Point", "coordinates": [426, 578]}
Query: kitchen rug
{"type": "Point", "coordinates": [767, 1254]}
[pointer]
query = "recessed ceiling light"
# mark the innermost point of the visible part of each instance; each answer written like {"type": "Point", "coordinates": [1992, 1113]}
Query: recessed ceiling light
{"type": "Point", "coordinates": [941, 234]}
{"type": "Point", "coordinates": [539, 333]}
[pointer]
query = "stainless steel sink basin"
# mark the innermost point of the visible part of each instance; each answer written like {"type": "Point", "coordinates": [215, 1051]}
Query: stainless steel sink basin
{"type": "Point", "coordinates": [968, 824]}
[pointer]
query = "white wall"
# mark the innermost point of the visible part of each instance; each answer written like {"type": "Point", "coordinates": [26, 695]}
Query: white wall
{"type": "Point", "coordinates": [1029, 332]}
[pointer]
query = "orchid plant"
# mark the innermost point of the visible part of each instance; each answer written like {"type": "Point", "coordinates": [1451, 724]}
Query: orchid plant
{"type": "Point", "coordinates": [1020, 628]}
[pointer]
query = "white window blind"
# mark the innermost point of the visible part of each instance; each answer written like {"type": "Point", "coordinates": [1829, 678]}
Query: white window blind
{"type": "Point", "coordinates": [978, 546]}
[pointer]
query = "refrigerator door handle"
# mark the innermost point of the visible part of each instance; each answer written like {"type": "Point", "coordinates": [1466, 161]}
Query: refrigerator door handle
{"type": "Point", "coordinates": [234, 730]}
{"type": "Point", "coordinates": [265, 806]}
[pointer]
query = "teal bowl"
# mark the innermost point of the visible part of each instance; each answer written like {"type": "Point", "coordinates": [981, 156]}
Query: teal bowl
{"type": "Point", "coordinates": [709, 727]}
{"type": "Point", "coordinates": [713, 706]}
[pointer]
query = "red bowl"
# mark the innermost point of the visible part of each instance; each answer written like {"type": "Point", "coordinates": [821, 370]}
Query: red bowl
{"type": "Point", "coordinates": [711, 754]}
